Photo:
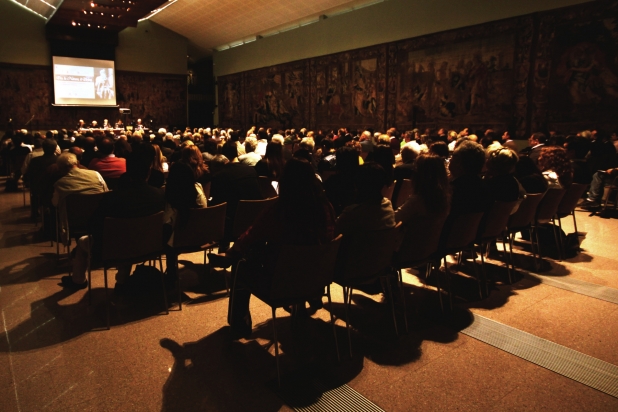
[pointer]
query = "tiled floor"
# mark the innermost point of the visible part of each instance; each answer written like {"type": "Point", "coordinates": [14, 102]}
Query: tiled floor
{"type": "Point", "coordinates": [55, 354]}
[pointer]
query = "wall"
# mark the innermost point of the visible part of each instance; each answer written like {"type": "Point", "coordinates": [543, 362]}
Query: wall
{"type": "Point", "coordinates": [148, 48]}
{"type": "Point", "coordinates": [381, 23]}
{"type": "Point", "coordinates": [554, 70]}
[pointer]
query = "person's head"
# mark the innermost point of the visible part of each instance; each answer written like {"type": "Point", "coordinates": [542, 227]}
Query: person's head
{"type": "Point", "coordinates": [192, 156]}
{"type": "Point", "coordinates": [106, 146]}
{"type": "Point", "coordinates": [369, 180]}
{"type": "Point", "coordinates": [440, 148]}
{"type": "Point", "coordinates": [577, 147]}
{"type": "Point", "coordinates": [410, 152]}
{"type": "Point", "coordinates": [366, 135]}
{"type": "Point", "coordinates": [65, 162]}
{"type": "Point", "coordinates": [299, 194]}
{"type": "Point", "coordinates": [555, 158]}
{"type": "Point", "coordinates": [139, 162]}
{"type": "Point", "coordinates": [217, 163]}
{"type": "Point", "coordinates": [307, 143]}
{"type": "Point", "coordinates": [347, 159]}
{"type": "Point", "coordinates": [468, 159]}
{"type": "Point", "coordinates": [537, 138]}
{"type": "Point", "coordinates": [431, 182]}
{"type": "Point", "coordinates": [250, 144]}
{"type": "Point", "coordinates": [49, 146]}
{"type": "Point", "coordinates": [501, 161]}
{"type": "Point", "coordinates": [78, 152]}
{"type": "Point", "coordinates": [230, 150]}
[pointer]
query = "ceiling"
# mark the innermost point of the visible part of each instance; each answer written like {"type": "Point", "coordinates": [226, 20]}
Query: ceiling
{"type": "Point", "coordinates": [217, 24]}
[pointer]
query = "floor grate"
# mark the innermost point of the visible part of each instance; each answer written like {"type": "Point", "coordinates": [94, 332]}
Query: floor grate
{"type": "Point", "coordinates": [575, 365]}
{"type": "Point", "coordinates": [340, 399]}
{"type": "Point", "coordinates": [577, 286]}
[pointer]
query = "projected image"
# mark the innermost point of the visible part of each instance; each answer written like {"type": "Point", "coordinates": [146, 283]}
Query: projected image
{"type": "Point", "coordinates": [84, 82]}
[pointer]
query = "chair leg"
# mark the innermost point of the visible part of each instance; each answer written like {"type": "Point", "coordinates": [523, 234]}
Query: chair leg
{"type": "Point", "coordinates": [448, 282]}
{"type": "Point", "coordinates": [428, 271]}
{"type": "Point", "coordinates": [178, 283]}
{"type": "Point", "coordinates": [576, 232]}
{"type": "Point", "coordinates": [276, 345]}
{"type": "Point", "coordinates": [106, 297]}
{"type": "Point", "coordinates": [347, 297]}
{"type": "Point", "coordinates": [483, 270]}
{"type": "Point", "coordinates": [89, 272]}
{"type": "Point", "coordinates": [506, 259]}
{"type": "Point", "coordinates": [557, 237]}
{"type": "Point", "coordinates": [167, 312]}
{"type": "Point", "coordinates": [538, 245]}
{"type": "Point", "coordinates": [476, 273]}
{"type": "Point", "coordinates": [391, 299]}
{"type": "Point", "coordinates": [332, 321]}
{"type": "Point", "coordinates": [403, 300]}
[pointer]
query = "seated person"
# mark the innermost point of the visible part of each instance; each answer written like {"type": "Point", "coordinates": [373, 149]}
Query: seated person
{"type": "Point", "coordinates": [371, 211]}
{"type": "Point", "coordinates": [301, 216]}
{"type": "Point", "coordinates": [556, 167]}
{"type": "Point", "coordinates": [470, 193]}
{"type": "Point", "coordinates": [499, 177]}
{"type": "Point", "coordinates": [600, 179]}
{"type": "Point", "coordinates": [133, 198]}
{"type": "Point", "coordinates": [339, 188]}
{"type": "Point", "coordinates": [107, 164]}
{"type": "Point", "coordinates": [250, 158]}
{"type": "Point", "coordinates": [529, 176]}
{"type": "Point", "coordinates": [430, 195]}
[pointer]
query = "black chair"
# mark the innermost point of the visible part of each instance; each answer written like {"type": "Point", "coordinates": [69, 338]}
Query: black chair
{"type": "Point", "coordinates": [522, 221]}
{"type": "Point", "coordinates": [546, 213]}
{"type": "Point", "coordinates": [130, 241]}
{"type": "Point", "coordinates": [302, 273]}
{"type": "Point", "coordinates": [363, 259]}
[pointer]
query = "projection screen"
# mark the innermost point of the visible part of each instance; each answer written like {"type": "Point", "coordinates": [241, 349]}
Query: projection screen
{"type": "Point", "coordinates": [83, 82]}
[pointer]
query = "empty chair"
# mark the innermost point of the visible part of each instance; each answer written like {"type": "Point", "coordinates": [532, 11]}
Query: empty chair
{"type": "Point", "coordinates": [130, 241]}
{"type": "Point", "coordinates": [363, 259]}
{"type": "Point", "coordinates": [203, 229]}
{"type": "Point", "coordinates": [301, 273]}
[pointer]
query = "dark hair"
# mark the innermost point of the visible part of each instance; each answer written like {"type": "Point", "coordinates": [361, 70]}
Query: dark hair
{"type": "Point", "coordinates": [542, 139]}
{"type": "Point", "coordinates": [302, 203]}
{"type": "Point", "coordinates": [370, 179]}
{"type": "Point", "coordinates": [431, 182]}
{"type": "Point", "coordinates": [471, 157]}
{"type": "Point", "coordinates": [274, 159]}
{"type": "Point", "coordinates": [122, 148]}
{"type": "Point", "coordinates": [554, 158]}
{"type": "Point", "coordinates": [49, 146]}
{"type": "Point", "coordinates": [440, 148]}
{"type": "Point", "coordinates": [347, 159]}
{"type": "Point", "coordinates": [230, 150]}
{"type": "Point", "coordinates": [106, 146]}
{"type": "Point", "coordinates": [139, 162]}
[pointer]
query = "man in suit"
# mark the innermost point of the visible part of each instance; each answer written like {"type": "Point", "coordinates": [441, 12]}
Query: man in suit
{"type": "Point", "coordinates": [536, 142]}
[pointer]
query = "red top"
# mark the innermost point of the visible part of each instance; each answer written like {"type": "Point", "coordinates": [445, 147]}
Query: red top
{"type": "Point", "coordinates": [110, 167]}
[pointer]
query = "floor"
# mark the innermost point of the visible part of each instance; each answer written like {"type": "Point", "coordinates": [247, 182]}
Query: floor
{"type": "Point", "coordinates": [56, 354]}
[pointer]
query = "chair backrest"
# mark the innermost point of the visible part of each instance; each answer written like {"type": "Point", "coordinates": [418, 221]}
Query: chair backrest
{"type": "Point", "coordinates": [266, 187]}
{"type": "Point", "coordinates": [495, 220]}
{"type": "Point", "coordinates": [133, 238]}
{"type": "Point", "coordinates": [80, 208]}
{"type": "Point", "coordinates": [570, 199]}
{"type": "Point", "coordinates": [362, 256]}
{"type": "Point", "coordinates": [387, 192]}
{"type": "Point", "coordinates": [247, 213]}
{"type": "Point", "coordinates": [461, 230]}
{"type": "Point", "coordinates": [549, 205]}
{"type": "Point", "coordinates": [302, 272]}
{"type": "Point", "coordinates": [203, 226]}
{"type": "Point", "coordinates": [405, 191]}
{"type": "Point", "coordinates": [526, 211]}
{"type": "Point", "coordinates": [421, 239]}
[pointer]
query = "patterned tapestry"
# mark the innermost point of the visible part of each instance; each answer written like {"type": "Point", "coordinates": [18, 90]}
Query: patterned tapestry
{"type": "Point", "coordinates": [576, 72]}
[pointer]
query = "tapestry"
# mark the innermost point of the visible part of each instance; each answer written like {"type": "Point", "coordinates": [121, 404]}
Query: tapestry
{"type": "Point", "coordinates": [277, 96]}
{"type": "Point", "coordinates": [350, 89]}
{"type": "Point", "coordinates": [577, 76]}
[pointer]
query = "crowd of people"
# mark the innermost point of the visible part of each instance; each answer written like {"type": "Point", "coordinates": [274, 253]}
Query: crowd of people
{"type": "Point", "coordinates": [329, 183]}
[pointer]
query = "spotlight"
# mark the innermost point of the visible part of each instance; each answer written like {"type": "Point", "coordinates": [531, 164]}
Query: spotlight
{"type": "Point", "coordinates": [73, 23]}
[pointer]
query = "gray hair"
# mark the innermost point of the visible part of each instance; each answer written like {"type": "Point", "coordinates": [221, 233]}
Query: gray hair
{"type": "Point", "coordinates": [66, 161]}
